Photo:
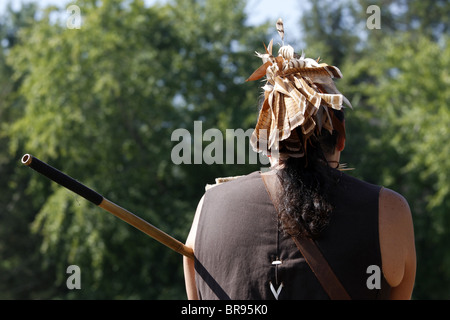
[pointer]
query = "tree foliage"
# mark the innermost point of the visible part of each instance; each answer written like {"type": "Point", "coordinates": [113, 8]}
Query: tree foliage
{"type": "Point", "coordinates": [410, 97]}
{"type": "Point", "coordinates": [101, 103]}
{"type": "Point", "coordinates": [397, 78]}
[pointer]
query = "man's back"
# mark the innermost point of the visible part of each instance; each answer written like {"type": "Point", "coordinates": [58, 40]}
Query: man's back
{"type": "Point", "coordinates": [241, 255]}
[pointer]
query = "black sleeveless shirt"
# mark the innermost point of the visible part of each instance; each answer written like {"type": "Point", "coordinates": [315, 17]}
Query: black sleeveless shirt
{"type": "Point", "coordinates": [241, 254]}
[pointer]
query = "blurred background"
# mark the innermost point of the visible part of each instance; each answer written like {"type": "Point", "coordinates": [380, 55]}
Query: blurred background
{"type": "Point", "coordinates": [99, 97]}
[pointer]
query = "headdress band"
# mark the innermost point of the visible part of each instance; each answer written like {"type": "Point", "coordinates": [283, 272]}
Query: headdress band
{"type": "Point", "coordinates": [299, 92]}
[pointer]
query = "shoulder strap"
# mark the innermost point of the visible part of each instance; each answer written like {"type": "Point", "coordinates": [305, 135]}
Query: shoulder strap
{"type": "Point", "coordinates": [310, 251]}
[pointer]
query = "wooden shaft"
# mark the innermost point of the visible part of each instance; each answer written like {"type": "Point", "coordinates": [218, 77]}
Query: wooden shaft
{"type": "Point", "coordinates": [97, 199]}
{"type": "Point", "coordinates": [147, 228]}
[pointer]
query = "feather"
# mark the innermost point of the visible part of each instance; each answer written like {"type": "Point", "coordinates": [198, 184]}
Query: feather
{"type": "Point", "coordinates": [295, 110]}
{"type": "Point", "coordinates": [337, 125]}
{"type": "Point", "coordinates": [296, 63]}
{"type": "Point", "coordinates": [319, 118]}
{"type": "Point", "coordinates": [279, 60]}
{"type": "Point", "coordinates": [299, 93]}
{"type": "Point", "coordinates": [311, 63]}
{"type": "Point", "coordinates": [327, 122]}
{"type": "Point", "coordinates": [280, 29]}
{"type": "Point", "coordinates": [284, 128]}
{"type": "Point", "coordinates": [259, 139]}
{"type": "Point", "coordinates": [273, 133]}
{"type": "Point", "coordinates": [287, 52]}
{"type": "Point", "coordinates": [260, 72]}
{"type": "Point", "coordinates": [347, 102]}
{"type": "Point", "coordinates": [269, 48]}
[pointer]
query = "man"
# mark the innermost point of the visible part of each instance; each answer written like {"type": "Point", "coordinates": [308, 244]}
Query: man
{"type": "Point", "coordinates": [243, 231]}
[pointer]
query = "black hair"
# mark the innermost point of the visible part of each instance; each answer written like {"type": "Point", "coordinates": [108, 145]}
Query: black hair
{"type": "Point", "coordinates": [304, 204]}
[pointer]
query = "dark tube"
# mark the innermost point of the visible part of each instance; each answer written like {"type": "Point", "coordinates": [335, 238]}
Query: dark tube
{"type": "Point", "coordinates": [62, 179]}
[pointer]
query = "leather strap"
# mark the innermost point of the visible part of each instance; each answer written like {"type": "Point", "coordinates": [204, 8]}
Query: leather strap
{"type": "Point", "coordinates": [310, 251]}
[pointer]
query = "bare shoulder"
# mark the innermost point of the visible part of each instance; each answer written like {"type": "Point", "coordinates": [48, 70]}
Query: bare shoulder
{"type": "Point", "coordinates": [190, 241]}
{"type": "Point", "coordinates": [394, 200]}
{"type": "Point", "coordinates": [397, 243]}
{"type": "Point", "coordinates": [394, 211]}
{"type": "Point", "coordinates": [188, 264]}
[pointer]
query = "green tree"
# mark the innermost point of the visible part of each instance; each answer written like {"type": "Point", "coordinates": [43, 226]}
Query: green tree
{"type": "Point", "coordinates": [330, 31]}
{"type": "Point", "coordinates": [397, 80]}
{"type": "Point", "coordinates": [21, 272]}
{"type": "Point", "coordinates": [101, 103]}
{"type": "Point", "coordinates": [410, 102]}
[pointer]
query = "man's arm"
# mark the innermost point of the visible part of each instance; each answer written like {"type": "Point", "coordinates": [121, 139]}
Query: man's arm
{"type": "Point", "coordinates": [188, 264]}
{"type": "Point", "coordinates": [397, 246]}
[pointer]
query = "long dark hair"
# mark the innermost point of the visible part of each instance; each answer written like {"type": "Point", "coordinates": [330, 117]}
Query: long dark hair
{"type": "Point", "coordinates": [304, 204]}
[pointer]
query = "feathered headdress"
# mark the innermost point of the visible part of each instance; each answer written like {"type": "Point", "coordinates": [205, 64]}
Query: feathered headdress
{"type": "Point", "coordinates": [299, 92]}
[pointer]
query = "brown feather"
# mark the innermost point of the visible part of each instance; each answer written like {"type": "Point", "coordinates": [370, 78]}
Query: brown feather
{"type": "Point", "coordinates": [260, 72]}
{"type": "Point", "coordinates": [279, 60]}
